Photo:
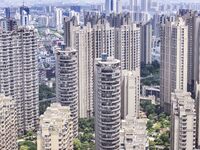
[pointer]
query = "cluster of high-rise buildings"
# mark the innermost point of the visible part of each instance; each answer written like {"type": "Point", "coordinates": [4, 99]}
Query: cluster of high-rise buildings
{"type": "Point", "coordinates": [98, 68]}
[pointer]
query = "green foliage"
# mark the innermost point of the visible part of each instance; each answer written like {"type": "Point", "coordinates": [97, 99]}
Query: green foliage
{"type": "Point", "coordinates": [86, 135]}
{"type": "Point", "coordinates": [27, 145]}
{"type": "Point", "coordinates": [45, 92]}
{"type": "Point", "coordinates": [151, 73]}
{"type": "Point", "coordinates": [77, 144]}
{"type": "Point", "coordinates": [158, 125]}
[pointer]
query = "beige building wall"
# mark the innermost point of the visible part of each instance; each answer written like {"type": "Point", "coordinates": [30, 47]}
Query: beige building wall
{"type": "Point", "coordinates": [183, 121]}
{"type": "Point", "coordinates": [8, 124]}
{"type": "Point", "coordinates": [130, 94]}
{"type": "Point", "coordinates": [174, 50]}
{"type": "Point", "coordinates": [55, 129]}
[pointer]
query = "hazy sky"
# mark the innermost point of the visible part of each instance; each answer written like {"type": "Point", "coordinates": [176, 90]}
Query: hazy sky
{"type": "Point", "coordinates": [31, 2]}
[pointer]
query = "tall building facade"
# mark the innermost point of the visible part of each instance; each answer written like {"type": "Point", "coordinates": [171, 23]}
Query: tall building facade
{"type": "Point", "coordinates": [107, 103]}
{"type": "Point", "coordinates": [127, 46]}
{"type": "Point", "coordinates": [119, 6]}
{"type": "Point", "coordinates": [55, 129]}
{"type": "Point", "coordinates": [113, 35]}
{"type": "Point", "coordinates": [183, 121]}
{"type": "Point", "coordinates": [146, 43]}
{"type": "Point", "coordinates": [197, 106]}
{"type": "Point", "coordinates": [19, 74]}
{"type": "Point", "coordinates": [110, 6]}
{"type": "Point", "coordinates": [130, 94]}
{"type": "Point", "coordinates": [67, 82]}
{"type": "Point", "coordinates": [8, 126]}
{"type": "Point", "coordinates": [24, 16]}
{"type": "Point", "coordinates": [174, 61]}
{"type": "Point", "coordinates": [193, 21]}
{"type": "Point", "coordinates": [58, 19]}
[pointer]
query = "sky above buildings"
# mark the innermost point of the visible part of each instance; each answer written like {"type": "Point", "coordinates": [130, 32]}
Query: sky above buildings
{"type": "Point", "coordinates": [31, 2]}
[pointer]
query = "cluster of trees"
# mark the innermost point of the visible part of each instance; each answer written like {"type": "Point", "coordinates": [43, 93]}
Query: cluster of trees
{"type": "Point", "coordinates": [158, 125]}
{"type": "Point", "coordinates": [85, 141]}
{"type": "Point", "coordinates": [27, 145]}
{"type": "Point", "coordinates": [150, 73]}
{"type": "Point", "coordinates": [44, 93]}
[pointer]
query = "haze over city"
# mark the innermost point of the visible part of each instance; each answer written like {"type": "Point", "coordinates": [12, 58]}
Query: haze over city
{"type": "Point", "coordinates": [99, 75]}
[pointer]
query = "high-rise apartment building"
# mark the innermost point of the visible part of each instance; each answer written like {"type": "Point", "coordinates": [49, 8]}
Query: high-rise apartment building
{"type": "Point", "coordinates": [197, 106]}
{"type": "Point", "coordinates": [67, 81]}
{"type": "Point", "coordinates": [127, 46]}
{"type": "Point", "coordinates": [193, 21]}
{"type": "Point", "coordinates": [8, 125]}
{"type": "Point", "coordinates": [58, 18]}
{"type": "Point", "coordinates": [104, 39]}
{"type": "Point", "coordinates": [81, 39]}
{"type": "Point", "coordinates": [19, 75]}
{"type": "Point", "coordinates": [55, 129]}
{"type": "Point", "coordinates": [119, 6]}
{"type": "Point", "coordinates": [110, 6]}
{"type": "Point", "coordinates": [174, 60]}
{"type": "Point", "coordinates": [183, 121]}
{"type": "Point", "coordinates": [7, 12]}
{"type": "Point", "coordinates": [144, 5]}
{"type": "Point", "coordinates": [113, 35]}
{"type": "Point", "coordinates": [84, 37]}
{"type": "Point", "coordinates": [130, 94]}
{"type": "Point", "coordinates": [107, 103]}
{"type": "Point", "coordinates": [24, 16]}
{"type": "Point", "coordinates": [146, 43]}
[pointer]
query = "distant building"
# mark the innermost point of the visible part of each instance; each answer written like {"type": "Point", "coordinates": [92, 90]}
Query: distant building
{"type": "Point", "coordinates": [24, 16]}
{"type": "Point", "coordinates": [133, 135]}
{"type": "Point", "coordinates": [183, 121]}
{"type": "Point", "coordinates": [67, 82]}
{"type": "Point", "coordinates": [55, 129]}
{"type": "Point", "coordinates": [8, 125]}
{"type": "Point", "coordinates": [7, 13]}
{"type": "Point", "coordinates": [107, 103]}
{"type": "Point", "coordinates": [8, 24]}
{"type": "Point", "coordinates": [146, 43]}
{"type": "Point", "coordinates": [110, 6]}
{"type": "Point", "coordinates": [58, 19]}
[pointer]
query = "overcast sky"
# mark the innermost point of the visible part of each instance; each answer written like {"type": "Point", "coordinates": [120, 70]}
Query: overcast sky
{"type": "Point", "coordinates": [31, 2]}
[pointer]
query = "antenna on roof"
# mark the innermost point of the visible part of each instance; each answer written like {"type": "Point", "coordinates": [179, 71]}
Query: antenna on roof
{"type": "Point", "coordinates": [23, 3]}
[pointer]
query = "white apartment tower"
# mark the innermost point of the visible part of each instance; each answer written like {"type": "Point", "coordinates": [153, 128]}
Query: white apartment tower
{"type": "Point", "coordinates": [110, 6]}
{"type": "Point", "coordinates": [81, 39]}
{"type": "Point", "coordinates": [85, 70]}
{"type": "Point", "coordinates": [58, 18]}
{"type": "Point", "coordinates": [130, 94]}
{"type": "Point", "coordinates": [55, 129]}
{"type": "Point", "coordinates": [107, 103]}
{"type": "Point", "coordinates": [104, 39]}
{"type": "Point", "coordinates": [119, 6]}
{"type": "Point", "coordinates": [174, 50]}
{"type": "Point", "coordinates": [127, 48]}
{"type": "Point", "coordinates": [183, 121]}
{"type": "Point", "coordinates": [19, 75]}
{"type": "Point", "coordinates": [67, 82]}
{"type": "Point", "coordinates": [8, 126]}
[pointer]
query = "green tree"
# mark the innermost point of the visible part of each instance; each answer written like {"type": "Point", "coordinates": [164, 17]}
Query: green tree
{"type": "Point", "coordinates": [77, 144]}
